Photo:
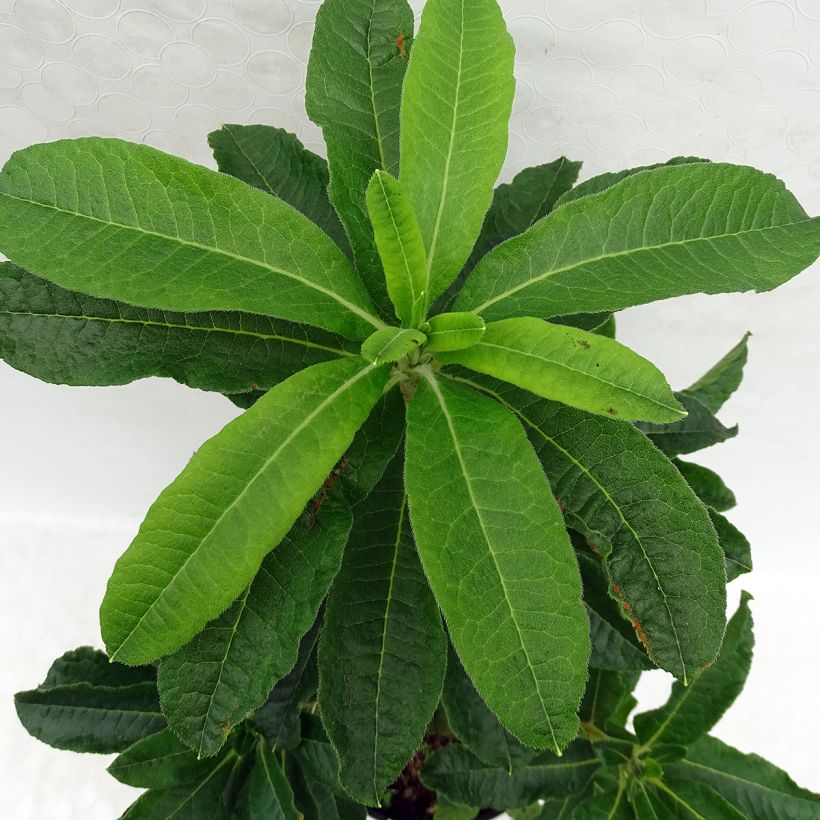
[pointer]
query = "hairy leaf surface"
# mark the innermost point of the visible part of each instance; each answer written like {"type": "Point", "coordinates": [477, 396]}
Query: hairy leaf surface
{"type": "Point", "coordinates": [270, 796]}
{"type": "Point", "coordinates": [707, 484]}
{"type": "Point", "coordinates": [401, 248]}
{"type": "Point", "coordinates": [276, 162]}
{"type": "Point", "coordinates": [230, 667]}
{"type": "Point", "coordinates": [737, 550]}
{"type": "Point", "coordinates": [391, 343]}
{"type": "Point", "coordinates": [461, 776]}
{"type": "Point", "coordinates": [693, 710]}
{"type": "Point", "coordinates": [715, 387]}
{"type": "Point", "coordinates": [504, 575]}
{"type": "Point", "coordinates": [572, 366]}
{"type": "Point", "coordinates": [204, 538]}
{"type": "Point", "coordinates": [659, 546]}
{"type": "Point", "coordinates": [453, 331]}
{"type": "Point", "coordinates": [354, 87]}
{"type": "Point", "coordinates": [454, 127]}
{"type": "Point", "coordinates": [63, 337]}
{"type": "Point", "coordinates": [703, 228]}
{"type": "Point", "coordinates": [382, 652]}
{"type": "Point", "coordinates": [130, 223]}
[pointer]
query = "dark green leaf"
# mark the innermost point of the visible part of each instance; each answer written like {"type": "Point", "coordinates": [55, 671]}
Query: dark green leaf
{"type": "Point", "coordinates": [314, 800]}
{"type": "Point", "coordinates": [276, 162]}
{"type": "Point", "coordinates": [229, 668]}
{"type": "Point", "coordinates": [505, 577]}
{"type": "Point", "coordinates": [608, 699]}
{"type": "Point", "coordinates": [475, 725]}
{"type": "Point", "coordinates": [133, 224]}
{"type": "Point", "coordinates": [88, 665]}
{"type": "Point", "coordinates": [714, 388]}
{"type": "Point", "coordinates": [382, 651]}
{"type": "Point", "coordinates": [659, 547]}
{"type": "Point", "coordinates": [315, 753]}
{"type": "Point", "coordinates": [205, 537]}
{"type": "Point", "coordinates": [457, 773]}
{"type": "Point", "coordinates": [270, 796]}
{"type": "Point", "coordinates": [685, 800]}
{"type": "Point", "coordinates": [707, 484]}
{"type": "Point", "coordinates": [699, 430]}
{"type": "Point", "coordinates": [159, 761]}
{"type": "Point", "coordinates": [736, 547]}
{"type": "Point", "coordinates": [67, 338]}
{"type": "Point", "coordinates": [354, 87]}
{"type": "Point", "coordinates": [751, 784]}
{"type": "Point", "coordinates": [693, 710]}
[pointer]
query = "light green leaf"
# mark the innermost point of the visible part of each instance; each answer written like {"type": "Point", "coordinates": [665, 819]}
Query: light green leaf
{"type": "Point", "coordinates": [354, 87]}
{"type": "Point", "coordinates": [475, 725]}
{"type": "Point", "coordinates": [270, 796]}
{"type": "Point", "coordinates": [229, 668]}
{"type": "Point", "coordinates": [373, 447]}
{"type": "Point", "coordinates": [699, 430]}
{"type": "Point", "coordinates": [572, 366]}
{"type": "Point", "coordinates": [276, 162]}
{"type": "Point", "coordinates": [693, 710]}
{"type": "Point", "coordinates": [391, 343]}
{"type": "Point", "coordinates": [401, 248]}
{"type": "Point", "coordinates": [659, 547]}
{"type": "Point", "coordinates": [504, 576]}
{"type": "Point", "coordinates": [707, 484]}
{"type": "Point", "coordinates": [204, 538]}
{"type": "Point", "coordinates": [685, 800]}
{"type": "Point", "coordinates": [714, 388]}
{"type": "Point", "coordinates": [87, 704]}
{"type": "Point", "coordinates": [454, 127]}
{"type": "Point", "coordinates": [279, 718]}
{"type": "Point", "coordinates": [703, 228]}
{"type": "Point", "coordinates": [159, 761]}
{"type": "Point", "coordinates": [130, 223]}
{"type": "Point", "coordinates": [751, 784]}
{"type": "Point", "coordinates": [382, 647]}
{"type": "Point", "coordinates": [453, 331]}
{"type": "Point", "coordinates": [461, 776]}
{"type": "Point", "coordinates": [600, 182]}
{"type": "Point", "coordinates": [200, 800]}
{"type": "Point", "coordinates": [67, 338]}
{"type": "Point", "coordinates": [735, 545]}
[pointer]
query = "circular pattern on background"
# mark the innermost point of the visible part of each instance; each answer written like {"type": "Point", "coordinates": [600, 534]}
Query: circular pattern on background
{"type": "Point", "coordinates": [574, 15]}
{"type": "Point", "coordinates": [535, 39]}
{"type": "Point", "coordinates": [124, 112]}
{"type": "Point", "coordinates": [695, 59]}
{"type": "Point", "coordinates": [144, 33]}
{"type": "Point", "coordinates": [762, 26]}
{"type": "Point", "coordinates": [591, 105]}
{"type": "Point", "coordinates": [40, 101]}
{"type": "Point", "coordinates": [559, 78]}
{"type": "Point", "coordinates": [150, 83]}
{"type": "Point", "coordinates": [638, 85]}
{"type": "Point", "coordinates": [614, 43]}
{"type": "Point", "coordinates": [186, 11]}
{"type": "Point", "coordinates": [68, 83]}
{"type": "Point", "coordinates": [95, 9]}
{"type": "Point", "coordinates": [18, 49]}
{"type": "Point", "coordinates": [732, 91]}
{"type": "Point", "coordinates": [757, 127]}
{"type": "Point", "coordinates": [101, 57]}
{"type": "Point", "coordinates": [275, 72]}
{"type": "Point", "coordinates": [21, 127]}
{"type": "Point", "coordinates": [671, 19]}
{"type": "Point", "coordinates": [224, 41]}
{"type": "Point", "coordinates": [187, 64]}
{"type": "Point", "coordinates": [263, 17]}
{"type": "Point", "coordinates": [300, 38]}
{"type": "Point", "coordinates": [46, 19]}
{"type": "Point", "coordinates": [228, 92]}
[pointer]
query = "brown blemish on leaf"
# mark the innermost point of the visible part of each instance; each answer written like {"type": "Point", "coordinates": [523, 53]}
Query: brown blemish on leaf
{"type": "Point", "coordinates": [612, 411]}
{"type": "Point", "coordinates": [584, 343]}
{"type": "Point", "coordinates": [401, 45]}
{"type": "Point", "coordinates": [326, 487]}
{"type": "Point", "coordinates": [636, 624]}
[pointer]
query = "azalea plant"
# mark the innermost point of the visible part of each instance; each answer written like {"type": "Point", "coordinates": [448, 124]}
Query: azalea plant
{"type": "Point", "coordinates": [425, 567]}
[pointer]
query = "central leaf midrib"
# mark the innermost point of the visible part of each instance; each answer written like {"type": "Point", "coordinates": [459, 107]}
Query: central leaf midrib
{"type": "Point", "coordinates": [209, 249]}
{"type": "Point", "coordinates": [262, 469]}
{"type": "Point", "coordinates": [468, 482]}
{"type": "Point", "coordinates": [628, 252]}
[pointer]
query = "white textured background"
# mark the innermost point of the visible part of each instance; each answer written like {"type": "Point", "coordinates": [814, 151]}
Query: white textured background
{"type": "Point", "coordinates": [615, 83]}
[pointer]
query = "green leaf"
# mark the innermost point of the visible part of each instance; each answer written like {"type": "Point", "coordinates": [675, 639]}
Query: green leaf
{"type": "Point", "coordinates": [88, 665]}
{"type": "Point", "coordinates": [316, 754]}
{"type": "Point", "coordinates": [751, 784]}
{"type": "Point", "coordinates": [391, 343]}
{"type": "Point", "coordinates": [373, 447]}
{"type": "Point", "coordinates": [276, 162]}
{"type": "Point", "coordinates": [688, 801]}
{"type": "Point", "coordinates": [659, 547]}
{"type": "Point", "coordinates": [714, 388]}
{"type": "Point", "coordinates": [270, 796]}
{"type": "Point", "coordinates": [204, 538]}
{"type": "Point", "coordinates": [610, 805]}
{"type": "Point", "coordinates": [316, 801]}
{"type": "Point", "coordinates": [699, 430]}
{"type": "Point", "coordinates": [354, 87]}
{"type": "Point", "coordinates": [505, 576]}
{"type": "Point", "coordinates": [279, 718]}
{"type": "Point", "coordinates": [130, 223]}
{"type": "Point", "coordinates": [200, 800]}
{"type": "Point", "coordinates": [447, 810]}
{"type": "Point", "coordinates": [454, 127]}
{"type": "Point", "coordinates": [63, 337]}
{"type": "Point", "coordinates": [569, 365]}
{"type": "Point", "coordinates": [90, 717]}
{"type": "Point", "coordinates": [693, 710]}
{"type": "Point", "coordinates": [704, 228]}
{"type": "Point", "coordinates": [608, 699]}
{"type": "Point", "coordinates": [707, 484]}
{"type": "Point", "coordinates": [159, 761]}
{"type": "Point", "coordinates": [592, 322]}
{"type": "Point", "coordinates": [461, 776]}
{"type": "Point", "coordinates": [229, 668]}
{"type": "Point", "coordinates": [382, 647]}
{"type": "Point", "coordinates": [599, 183]}
{"type": "Point", "coordinates": [475, 725]}
{"type": "Point", "coordinates": [401, 248]}
{"type": "Point", "coordinates": [736, 548]}
{"type": "Point", "coordinates": [453, 331]}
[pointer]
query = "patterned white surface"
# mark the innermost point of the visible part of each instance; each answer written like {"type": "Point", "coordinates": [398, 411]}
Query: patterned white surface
{"type": "Point", "coordinates": [615, 83]}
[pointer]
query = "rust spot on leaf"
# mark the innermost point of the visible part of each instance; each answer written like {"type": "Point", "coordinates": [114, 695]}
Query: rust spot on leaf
{"type": "Point", "coordinates": [584, 343]}
{"type": "Point", "coordinates": [636, 624]}
{"type": "Point", "coordinates": [326, 487]}
{"type": "Point", "coordinates": [612, 411]}
{"type": "Point", "coordinates": [402, 46]}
